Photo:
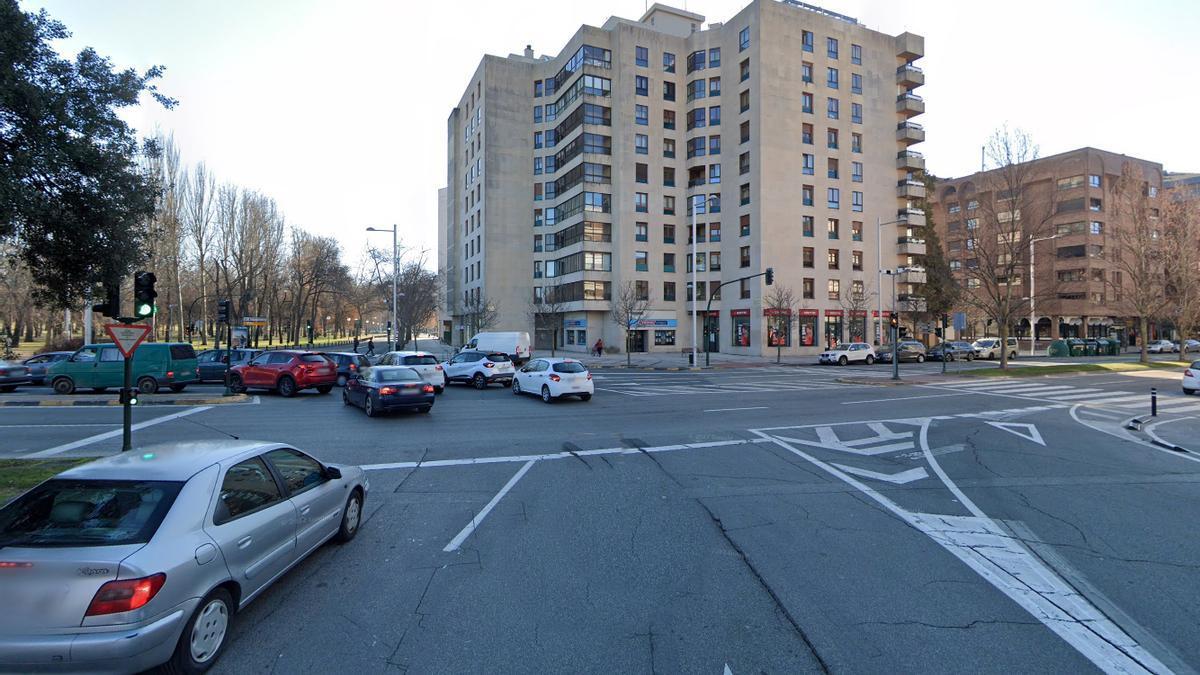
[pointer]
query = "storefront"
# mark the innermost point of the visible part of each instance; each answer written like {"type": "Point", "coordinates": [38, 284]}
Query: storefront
{"type": "Point", "coordinates": [884, 326]}
{"type": "Point", "coordinates": [807, 327]}
{"type": "Point", "coordinates": [658, 332]}
{"type": "Point", "coordinates": [834, 327]}
{"type": "Point", "coordinates": [575, 334]}
{"type": "Point", "coordinates": [858, 325]}
{"type": "Point", "coordinates": [741, 327]}
{"type": "Point", "coordinates": [779, 326]}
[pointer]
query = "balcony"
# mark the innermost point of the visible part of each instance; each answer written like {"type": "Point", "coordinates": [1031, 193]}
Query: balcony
{"type": "Point", "coordinates": [912, 217]}
{"type": "Point", "coordinates": [910, 246]}
{"type": "Point", "coordinates": [910, 46]}
{"type": "Point", "coordinates": [910, 105]}
{"type": "Point", "coordinates": [910, 189]}
{"type": "Point", "coordinates": [913, 277]}
{"type": "Point", "coordinates": [910, 76]}
{"type": "Point", "coordinates": [910, 160]}
{"type": "Point", "coordinates": [909, 133]}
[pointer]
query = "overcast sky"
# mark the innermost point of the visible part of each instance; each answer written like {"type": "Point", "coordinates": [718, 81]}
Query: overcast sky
{"type": "Point", "coordinates": [338, 110]}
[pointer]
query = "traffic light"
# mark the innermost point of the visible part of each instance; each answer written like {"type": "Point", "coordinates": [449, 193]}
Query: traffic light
{"type": "Point", "coordinates": [770, 275]}
{"type": "Point", "coordinates": [128, 396]}
{"type": "Point", "coordinates": [112, 301]}
{"type": "Point", "coordinates": [144, 294]}
{"type": "Point", "coordinates": [223, 311]}
{"type": "Point", "coordinates": [894, 321]}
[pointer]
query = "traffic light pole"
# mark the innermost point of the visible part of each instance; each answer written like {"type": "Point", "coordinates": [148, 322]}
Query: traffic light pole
{"type": "Point", "coordinates": [127, 413]}
{"type": "Point", "coordinates": [769, 274]}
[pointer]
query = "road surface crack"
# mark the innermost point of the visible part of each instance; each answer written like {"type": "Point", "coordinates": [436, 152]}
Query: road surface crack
{"type": "Point", "coordinates": [967, 626]}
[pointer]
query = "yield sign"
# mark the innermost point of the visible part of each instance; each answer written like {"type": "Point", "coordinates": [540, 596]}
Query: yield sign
{"type": "Point", "coordinates": [1027, 431]}
{"type": "Point", "coordinates": [127, 336]}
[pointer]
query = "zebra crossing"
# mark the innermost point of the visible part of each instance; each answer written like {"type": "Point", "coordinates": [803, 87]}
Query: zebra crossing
{"type": "Point", "coordinates": [650, 388]}
{"type": "Point", "coordinates": [1171, 402]}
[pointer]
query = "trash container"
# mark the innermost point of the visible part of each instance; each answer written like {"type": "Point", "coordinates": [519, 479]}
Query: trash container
{"type": "Point", "coordinates": [1078, 347]}
{"type": "Point", "coordinates": [1114, 347]}
{"type": "Point", "coordinates": [1058, 348]}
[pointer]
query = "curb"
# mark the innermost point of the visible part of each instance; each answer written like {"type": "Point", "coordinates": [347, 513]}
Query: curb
{"type": "Point", "coordinates": [67, 403]}
{"type": "Point", "coordinates": [644, 368]}
{"type": "Point", "coordinates": [1169, 446]}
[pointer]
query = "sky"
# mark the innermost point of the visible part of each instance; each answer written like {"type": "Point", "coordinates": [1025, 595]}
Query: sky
{"type": "Point", "coordinates": [338, 110]}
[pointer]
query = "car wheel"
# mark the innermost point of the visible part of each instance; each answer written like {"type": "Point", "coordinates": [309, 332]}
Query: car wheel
{"type": "Point", "coordinates": [546, 397]}
{"type": "Point", "coordinates": [920, 358]}
{"type": "Point", "coordinates": [1189, 392]}
{"type": "Point", "coordinates": [843, 361]}
{"type": "Point", "coordinates": [178, 387]}
{"type": "Point", "coordinates": [204, 635]}
{"type": "Point", "coordinates": [970, 357]}
{"type": "Point", "coordinates": [516, 388]}
{"type": "Point", "coordinates": [63, 385]}
{"type": "Point", "coordinates": [235, 385]}
{"type": "Point", "coordinates": [870, 359]}
{"type": "Point", "coordinates": [369, 407]}
{"type": "Point", "coordinates": [96, 390]}
{"type": "Point", "coordinates": [1012, 356]}
{"type": "Point", "coordinates": [585, 397]}
{"type": "Point", "coordinates": [345, 397]}
{"type": "Point", "coordinates": [351, 517]}
{"type": "Point", "coordinates": [424, 409]}
{"type": "Point", "coordinates": [341, 381]}
{"type": "Point", "coordinates": [147, 385]}
{"type": "Point", "coordinates": [479, 381]}
{"type": "Point", "coordinates": [286, 387]}
{"type": "Point", "coordinates": [324, 388]}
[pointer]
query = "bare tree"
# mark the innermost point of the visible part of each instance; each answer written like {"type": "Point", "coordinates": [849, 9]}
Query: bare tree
{"type": "Point", "coordinates": [780, 306]}
{"type": "Point", "coordinates": [1139, 254]}
{"type": "Point", "coordinates": [546, 310]}
{"type": "Point", "coordinates": [1015, 209]}
{"type": "Point", "coordinates": [200, 189]}
{"type": "Point", "coordinates": [1181, 230]}
{"type": "Point", "coordinates": [855, 302]}
{"type": "Point", "coordinates": [628, 307]}
{"type": "Point", "coordinates": [479, 313]}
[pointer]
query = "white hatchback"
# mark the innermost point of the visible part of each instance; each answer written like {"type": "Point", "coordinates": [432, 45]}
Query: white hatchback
{"type": "Point", "coordinates": [849, 353]}
{"type": "Point", "coordinates": [1191, 379]}
{"type": "Point", "coordinates": [554, 378]}
{"type": "Point", "coordinates": [424, 363]}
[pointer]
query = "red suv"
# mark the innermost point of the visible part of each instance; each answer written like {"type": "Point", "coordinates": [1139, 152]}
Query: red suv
{"type": "Point", "coordinates": [286, 372]}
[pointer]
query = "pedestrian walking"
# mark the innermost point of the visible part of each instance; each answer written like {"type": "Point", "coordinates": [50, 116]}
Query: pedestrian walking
{"type": "Point", "coordinates": [599, 347]}
{"type": "Point", "coordinates": [355, 344]}
{"type": "Point", "coordinates": [370, 346]}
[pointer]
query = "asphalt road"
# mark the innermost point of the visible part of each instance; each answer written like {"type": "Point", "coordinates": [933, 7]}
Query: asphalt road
{"type": "Point", "coordinates": [760, 520]}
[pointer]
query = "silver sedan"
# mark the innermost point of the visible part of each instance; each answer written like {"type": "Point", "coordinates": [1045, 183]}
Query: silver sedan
{"type": "Point", "coordinates": [141, 559]}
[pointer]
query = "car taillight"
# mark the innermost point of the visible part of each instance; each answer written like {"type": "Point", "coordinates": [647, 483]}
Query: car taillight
{"type": "Point", "coordinates": [555, 378]}
{"type": "Point", "coordinates": [489, 364]}
{"type": "Point", "coordinates": [1188, 373]}
{"type": "Point", "coordinates": [384, 391]}
{"type": "Point", "coordinates": [353, 367]}
{"type": "Point", "coordinates": [589, 376]}
{"type": "Point", "coordinates": [125, 595]}
{"type": "Point", "coordinates": [170, 374]}
{"type": "Point", "coordinates": [437, 367]}
{"type": "Point", "coordinates": [428, 389]}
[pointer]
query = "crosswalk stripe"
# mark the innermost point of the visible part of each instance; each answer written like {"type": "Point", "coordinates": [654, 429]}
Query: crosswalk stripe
{"type": "Point", "coordinates": [1078, 394]}
{"type": "Point", "coordinates": [1117, 400]}
{"type": "Point", "coordinates": [1031, 391]}
{"type": "Point", "coordinates": [975, 385]}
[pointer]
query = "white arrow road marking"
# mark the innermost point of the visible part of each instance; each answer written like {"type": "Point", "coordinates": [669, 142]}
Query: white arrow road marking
{"type": "Point", "coordinates": [1027, 431]}
{"type": "Point", "coordinates": [894, 478]}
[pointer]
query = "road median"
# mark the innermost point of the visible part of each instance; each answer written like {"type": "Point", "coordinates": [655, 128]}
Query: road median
{"type": "Point", "coordinates": [58, 401]}
{"type": "Point", "coordinates": [1068, 368]}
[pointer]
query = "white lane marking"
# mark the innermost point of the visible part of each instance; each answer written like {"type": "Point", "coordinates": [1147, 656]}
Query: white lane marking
{"type": "Point", "coordinates": [1118, 398]}
{"type": "Point", "coordinates": [895, 478]}
{"type": "Point", "coordinates": [753, 407]}
{"type": "Point", "coordinates": [1150, 428]}
{"type": "Point", "coordinates": [478, 518]}
{"type": "Point", "coordinates": [52, 426]}
{"type": "Point", "coordinates": [1008, 565]}
{"type": "Point", "coordinates": [1080, 394]}
{"type": "Point", "coordinates": [1036, 390]}
{"type": "Point", "coordinates": [1027, 431]}
{"type": "Point", "coordinates": [58, 449]}
{"type": "Point", "coordinates": [899, 398]}
{"type": "Point", "coordinates": [727, 671]}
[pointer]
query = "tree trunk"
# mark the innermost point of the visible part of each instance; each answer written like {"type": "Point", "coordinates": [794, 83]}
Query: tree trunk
{"type": "Point", "coordinates": [628, 354]}
{"type": "Point", "coordinates": [1143, 333]}
{"type": "Point", "coordinates": [1003, 345]}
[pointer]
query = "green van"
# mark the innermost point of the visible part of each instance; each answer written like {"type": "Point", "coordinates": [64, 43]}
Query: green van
{"type": "Point", "coordinates": [100, 366]}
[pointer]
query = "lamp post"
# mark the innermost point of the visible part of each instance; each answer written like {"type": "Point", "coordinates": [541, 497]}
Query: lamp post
{"type": "Point", "coordinates": [879, 273]}
{"type": "Point", "coordinates": [695, 237]}
{"type": "Point", "coordinates": [894, 331]}
{"type": "Point", "coordinates": [1032, 315]}
{"type": "Point", "coordinates": [395, 271]}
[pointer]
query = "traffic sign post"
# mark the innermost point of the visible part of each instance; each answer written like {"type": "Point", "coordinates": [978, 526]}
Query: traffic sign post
{"type": "Point", "coordinates": [127, 337]}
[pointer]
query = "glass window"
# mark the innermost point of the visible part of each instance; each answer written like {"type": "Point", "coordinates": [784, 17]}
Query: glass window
{"type": "Point", "coordinates": [642, 85]}
{"type": "Point", "coordinates": [641, 202]}
{"type": "Point", "coordinates": [831, 108]}
{"type": "Point", "coordinates": [856, 172]}
{"type": "Point", "coordinates": [668, 119]}
{"type": "Point", "coordinates": [831, 78]}
{"type": "Point", "coordinates": [641, 114]}
{"type": "Point", "coordinates": [856, 54]}
{"type": "Point", "coordinates": [831, 47]}
{"type": "Point", "coordinates": [248, 487]}
{"type": "Point", "coordinates": [806, 40]}
{"type": "Point", "coordinates": [806, 71]}
{"type": "Point", "coordinates": [809, 165]}
{"type": "Point", "coordinates": [642, 56]}
{"type": "Point", "coordinates": [741, 331]}
{"type": "Point", "coordinates": [714, 86]}
{"type": "Point", "coordinates": [744, 39]}
{"type": "Point", "coordinates": [834, 197]}
{"type": "Point", "coordinates": [714, 173]}
{"type": "Point", "coordinates": [668, 62]}
{"type": "Point", "coordinates": [299, 471]}
{"type": "Point", "coordinates": [66, 512]}
{"type": "Point", "coordinates": [714, 232]}
{"type": "Point", "coordinates": [806, 102]}
{"type": "Point", "coordinates": [641, 144]}
{"type": "Point", "coordinates": [714, 57]}
{"type": "Point", "coordinates": [745, 70]}
{"type": "Point", "coordinates": [714, 145]}
{"type": "Point", "coordinates": [714, 116]}
{"type": "Point", "coordinates": [641, 261]}
{"type": "Point", "coordinates": [669, 95]}
{"type": "Point", "coordinates": [856, 203]}
{"type": "Point", "coordinates": [642, 173]}
{"type": "Point", "coordinates": [856, 83]}
{"type": "Point", "coordinates": [744, 224]}
{"type": "Point", "coordinates": [856, 113]}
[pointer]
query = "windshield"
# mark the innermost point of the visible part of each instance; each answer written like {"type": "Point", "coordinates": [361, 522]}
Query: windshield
{"type": "Point", "coordinates": [87, 513]}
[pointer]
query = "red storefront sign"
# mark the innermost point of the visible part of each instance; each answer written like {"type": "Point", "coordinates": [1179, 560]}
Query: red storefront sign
{"type": "Point", "coordinates": [739, 312]}
{"type": "Point", "coordinates": [858, 313]}
{"type": "Point", "coordinates": [809, 312]}
{"type": "Point", "coordinates": [834, 312]}
{"type": "Point", "coordinates": [777, 311]}
{"type": "Point", "coordinates": [875, 313]}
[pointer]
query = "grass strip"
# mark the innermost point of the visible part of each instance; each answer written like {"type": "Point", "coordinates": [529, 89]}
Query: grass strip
{"type": "Point", "coordinates": [1035, 371]}
{"type": "Point", "coordinates": [18, 475]}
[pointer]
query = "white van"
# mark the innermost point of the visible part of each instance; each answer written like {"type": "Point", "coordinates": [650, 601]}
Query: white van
{"type": "Point", "coordinates": [514, 343]}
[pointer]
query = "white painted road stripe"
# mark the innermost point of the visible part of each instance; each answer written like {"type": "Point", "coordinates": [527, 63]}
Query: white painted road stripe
{"type": "Point", "coordinates": [110, 434]}
{"type": "Point", "coordinates": [478, 518]}
{"type": "Point", "coordinates": [1080, 394]}
{"type": "Point", "coordinates": [1029, 390]}
{"type": "Point", "coordinates": [756, 407]}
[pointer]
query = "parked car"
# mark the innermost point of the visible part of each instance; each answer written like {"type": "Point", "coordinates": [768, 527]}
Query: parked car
{"type": "Point", "coordinates": [479, 368]}
{"type": "Point", "coordinates": [423, 362]}
{"type": "Point", "coordinates": [13, 375]}
{"type": "Point", "coordinates": [849, 353]}
{"type": "Point", "coordinates": [554, 378]}
{"type": "Point", "coordinates": [39, 364]}
{"type": "Point", "coordinates": [285, 371]}
{"type": "Point", "coordinates": [347, 364]}
{"type": "Point", "coordinates": [1162, 347]}
{"type": "Point", "coordinates": [1192, 345]}
{"type": "Point", "coordinates": [150, 554]}
{"type": "Point", "coordinates": [212, 362]}
{"type": "Point", "coordinates": [952, 351]}
{"type": "Point", "coordinates": [382, 389]}
{"type": "Point", "coordinates": [1191, 378]}
{"type": "Point", "coordinates": [514, 343]}
{"type": "Point", "coordinates": [989, 348]}
{"type": "Point", "coordinates": [907, 350]}
{"type": "Point", "coordinates": [100, 366]}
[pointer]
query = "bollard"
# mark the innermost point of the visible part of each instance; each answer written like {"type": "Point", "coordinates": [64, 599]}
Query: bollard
{"type": "Point", "coordinates": [1154, 401]}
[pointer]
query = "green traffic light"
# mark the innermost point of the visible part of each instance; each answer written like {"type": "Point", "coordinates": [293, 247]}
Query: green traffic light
{"type": "Point", "coordinates": [145, 309]}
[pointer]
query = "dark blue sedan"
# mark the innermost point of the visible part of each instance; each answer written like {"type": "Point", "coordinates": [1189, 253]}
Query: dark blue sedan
{"type": "Point", "coordinates": [382, 389]}
{"type": "Point", "coordinates": [952, 351]}
{"type": "Point", "coordinates": [38, 365]}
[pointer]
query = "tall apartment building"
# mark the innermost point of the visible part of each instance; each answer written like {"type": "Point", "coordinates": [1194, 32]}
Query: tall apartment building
{"type": "Point", "coordinates": [787, 129]}
{"type": "Point", "coordinates": [1078, 287]}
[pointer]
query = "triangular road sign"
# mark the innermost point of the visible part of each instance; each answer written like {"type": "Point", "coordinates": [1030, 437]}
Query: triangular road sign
{"type": "Point", "coordinates": [127, 336]}
{"type": "Point", "coordinates": [1027, 431]}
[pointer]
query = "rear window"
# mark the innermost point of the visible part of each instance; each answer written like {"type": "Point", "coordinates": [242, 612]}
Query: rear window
{"type": "Point", "coordinates": [362, 362]}
{"type": "Point", "coordinates": [420, 361]}
{"type": "Point", "coordinates": [569, 367]}
{"type": "Point", "coordinates": [395, 374]}
{"type": "Point", "coordinates": [182, 352]}
{"type": "Point", "coordinates": [502, 358]}
{"type": "Point", "coordinates": [87, 513]}
{"type": "Point", "coordinates": [313, 358]}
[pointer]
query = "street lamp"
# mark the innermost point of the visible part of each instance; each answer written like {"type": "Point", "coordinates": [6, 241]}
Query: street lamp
{"type": "Point", "coordinates": [695, 237]}
{"type": "Point", "coordinates": [1032, 315]}
{"type": "Point", "coordinates": [895, 337]}
{"type": "Point", "coordinates": [879, 273]}
{"type": "Point", "coordinates": [395, 272]}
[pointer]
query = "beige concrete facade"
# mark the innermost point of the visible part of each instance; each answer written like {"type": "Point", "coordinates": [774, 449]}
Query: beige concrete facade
{"type": "Point", "coordinates": [801, 180]}
{"type": "Point", "coordinates": [1076, 280]}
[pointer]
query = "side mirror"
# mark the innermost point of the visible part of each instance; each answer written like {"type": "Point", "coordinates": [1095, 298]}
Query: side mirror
{"type": "Point", "coordinates": [333, 473]}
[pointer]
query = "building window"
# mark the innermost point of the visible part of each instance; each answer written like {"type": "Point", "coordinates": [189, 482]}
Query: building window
{"type": "Point", "coordinates": [744, 293]}
{"type": "Point", "coordinates": [855, 83]}
{"type": "Point", "coordinates": [856, 54]}
{"type": "Point", "coordinates": [744, 256]}
{"type": "Point", "coordinates": [641, 202]}
{"type": "Point", "coordinates": [744, 163]}
{"type": "Point", "coordinates": [714, 86]}
{"type": "Point", "coordinates": [537, 243]}
{"type": "Point", "coordinates": [668, 262]}
{"type": "Point", "coordinates": [856, 230]}
{"type": "Point", "coordinates": [714, 145]}
{"type": "Point", "coordinates": [831, 78]}
{"type": "Point", "coordinates": [641, 85]}
{"type": "Point", "coordinates": [744, 132]}
{"type": "Point", "coordinates": [806, 195]}
{"type": "Point", "coordinates": [833, 228]}
{"type": "Point", "coordinates": [668, 205]}
{"type": "Point", "coordinates": [699, 263]}
{"type": "Point", "coordinates": [806, 72]}
{"type": "Point", "coordinates": [537, 88]}
{"type": "Point", "coordinates": [642, 56]}
{"type": "Point", "coordinates": [809, 259]}
{"type": "Point", "coordinates": [668, 233]}
{"type": "Point", "coordinates": [668, 147]}
{"type": "Point", "coordinates": [1093, 180]}
{"type": "Point", "coordinates": [809, 167]}
{"type": "Point", "coordinates": [641, 173]}
{"type": "Point", "coordinates": [1094, 204]}
{"type": "Point", "coordinates": [641, 114]}
{"type": "Point", "coordinates": [695, 61]}
{"type": "Point", "coordinates": [831, 168]}
{"type": "Point", "coordinates": [697, 89]}
{"type": "Point", "coordinates": [537, 114]}
{"type": "Point", "coordinates": [537, 166]}
{"type": "Point", "coordinates": [856, 172]}
{"type": "Point", "coordinates": [806, 41]}
{"type": "Point", "coordinates": [668, 119]}
{"type": "Point", "coordinates": [856, 261]}
{"type": "Point", "coordinates": [806, 102]}
{"type": "Point", "coordinates": [833, 258]}
{"type": "Point", "coordinates": [806, 134]}
{"type": "Point", "coordinates": [856, 201]}
{"type": "Point", "coordinates": [641, 231]}
{"type": "Point", "coordinates": [550, 189]}
{"type": "Point", "coordinates": [641, 261]}
{"type": "Point", "coordinates": [744, 39]}
{"type": "Point", "coordinates": [1097, 227]}
{"type": "Point", "coordinates": [641, 144]}
{"type": "Point", "coordinates": [831, 138]}
{"type": "Point", "coordinates": [696, 147]}
{"type": "Point", "coordinates": [808, 288]}
{"type": "Point", "coordinates": [669, 291]}
{"type": "Point", "coordinates": [831, 47]}
{"type": "Point", "coordinates": [744, 101]}
{"type": "Point", "coordinates": [856, 113]}
{"type": "Point", "coordinates": [537, 140]}
{"type": "Point", "coordinates": [806, 223]}
{"type": "Point", "coordinates": [856, 143]}
{"type": "Point", "coordinates": [668, 176]}
{"type": "Point", "coordinates": [831, 108]}
{"type": "Point", "coordinates": [714, 116]}
{"type": "Point", "coordinates": [834, 289]}
{"type": "Point", "coordinates": [714, 173]}
{"type": "Point", "coordinates": [668, 62]}
{"type": "Point", "coordinates": [714, 57]}
{"type": "Point", "coordinates": [834, 197]}
{"type": "Point", "coordinates": [744, 223]}
{"type": "Point", "coordinates": [668, 91]}
{"type": "Point", "coordinates": [745, 70]}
